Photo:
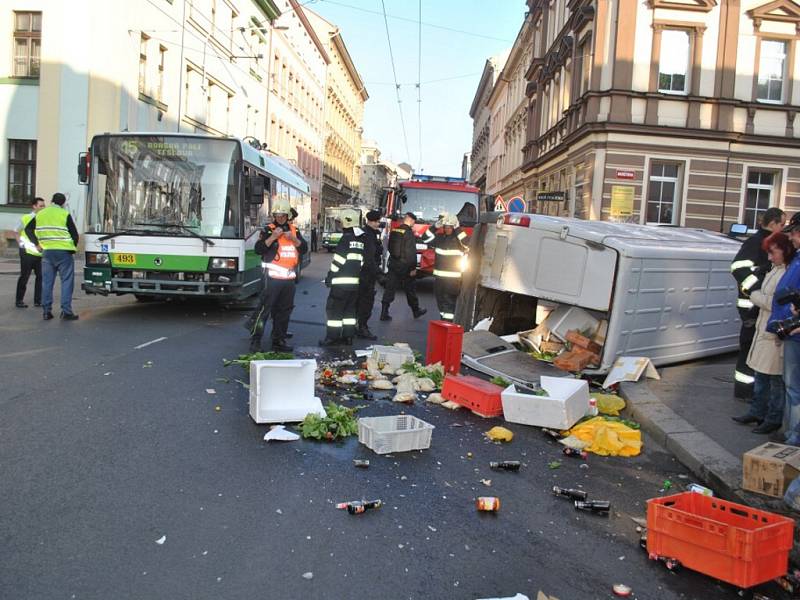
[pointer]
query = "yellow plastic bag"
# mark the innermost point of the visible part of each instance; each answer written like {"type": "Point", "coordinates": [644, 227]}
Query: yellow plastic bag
{"type": "Point", "coordinates": [609, 404]}
{"type": "Point", "coordinates": [500, 434]}
{"type": "Point", "coordinates": [608, 438]}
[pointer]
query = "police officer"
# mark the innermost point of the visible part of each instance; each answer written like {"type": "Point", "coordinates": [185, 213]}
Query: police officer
{"type": "Point", "coordinates": [402, 267]}
{"type": "Point", "coordinates": [30, 259]}
{"type": "Point", "coordinates": [53, 232]}
{"type": "Point", "coordinates": [343, 280]}
{"type": "Point", "coordinates": [451, 244]}
{"type": "Point", "coordinates": [280, 246]}
{"type": "Point", "coordinates": [373, 258]}
{"type": "Point", "coordinates": [748, 268]}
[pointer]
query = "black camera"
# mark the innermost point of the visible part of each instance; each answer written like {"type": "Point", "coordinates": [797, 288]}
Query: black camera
{"type": "Point", "coordinates": [785, 327]}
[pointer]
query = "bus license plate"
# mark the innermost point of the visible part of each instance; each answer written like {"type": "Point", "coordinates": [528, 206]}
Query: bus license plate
{"type": "Point", "coordinates": [125, 259]}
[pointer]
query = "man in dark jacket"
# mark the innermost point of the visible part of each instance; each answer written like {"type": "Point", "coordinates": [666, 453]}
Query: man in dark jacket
{"type": "Point", "coordinates": [373, 258]}
{"type": "Point", "coordinates": [343, 280]}
{"type": "Point", "coordinates": [281, 247]}
{"type": "Point", "coordinates": [748, 268]}
{"type": "Point", "coordinates": [402, 267]}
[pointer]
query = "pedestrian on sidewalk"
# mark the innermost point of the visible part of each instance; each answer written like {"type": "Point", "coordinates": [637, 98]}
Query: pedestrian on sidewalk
{"type": "Point", "coordinates": [30, 258]}
{"type": "Point", "coordinates": [373, 259]}
{"type": "Point", "coordinates": [766, 353]}
{"type": "Point", "coordinates": [56, 237]}
{"type": "Point", "coordinates": [748, 267]}
{"type": "Point", "coordinates": [281, 247]}
{"type": "Point", "coordinates": [343, 280]}
{"type": "Point", "coordinates": [791, 347]}
{"type": "Point", "coordinates": [402, 268]}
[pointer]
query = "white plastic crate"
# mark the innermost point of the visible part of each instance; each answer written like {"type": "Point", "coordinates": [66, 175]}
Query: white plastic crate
{"type": "Point", "coordinates": [282, 391]}
{"type": "Point", "coordinates": [393, 356]}
{"type": "Point", "coordinates": [397, 433]}
{"type": "Point", "coordinates": [566, 403]}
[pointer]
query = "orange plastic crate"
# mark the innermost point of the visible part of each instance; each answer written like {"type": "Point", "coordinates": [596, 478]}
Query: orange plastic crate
{"type": "Point", "coordinates": [444, 345]}
{"type": "Point", "coordinates": [731, 542]}
{"type": "Point", "coordinates": [473, 393]}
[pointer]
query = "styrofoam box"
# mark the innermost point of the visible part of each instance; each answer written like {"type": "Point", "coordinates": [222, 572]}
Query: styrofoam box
{"type": "Point", "coordinates": [392, 355]}
{"type": "Point", "coordinates": [282, 391]}
{"type": "Point", "coordinates": [567, 318]}
{"type": "Point", "coordinates": [566, 402]}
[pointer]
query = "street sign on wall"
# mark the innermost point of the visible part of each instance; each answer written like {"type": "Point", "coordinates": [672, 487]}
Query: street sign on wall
{"type": "Point", "coordinates": [626, 174]}
{"type": "Point", "coordinates": [517, 204]}
{"type": "Point", "coordinates": [551, 196]}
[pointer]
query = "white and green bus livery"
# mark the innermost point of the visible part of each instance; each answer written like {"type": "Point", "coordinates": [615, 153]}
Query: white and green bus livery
{"type": "Point", "coordinates": [179, 214]}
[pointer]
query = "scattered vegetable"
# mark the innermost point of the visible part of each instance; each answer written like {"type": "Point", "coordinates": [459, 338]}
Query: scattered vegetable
{"type": "Point", "coordinates": [501, 381]}
{"type": "Point", "coordinates": [544, 356]}
{"type": "Point", "coordinates": [340, 422]}
{"type": "Point", "coordinates": [433, 372]}
{"type": "Point", "coordinates": [244, 359]}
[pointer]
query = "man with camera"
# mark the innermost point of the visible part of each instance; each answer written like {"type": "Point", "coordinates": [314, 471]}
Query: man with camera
{"type": "Point", "coordinates": [785, 321]}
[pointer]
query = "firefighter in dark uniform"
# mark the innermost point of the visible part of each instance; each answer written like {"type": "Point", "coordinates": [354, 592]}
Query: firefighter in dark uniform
{"type": "Point", "coordinates": [373, 258]}
{"type": "Point", "coordinates": [748, 268]}
{"type": "Point", "coordinates": [402, 267]}
{"type": "Point", "coordinates": [343, 280]}
{"type": "Point", "coordinates": [280, 246]}
{"type": "Point", "coordinates": [451, 244]}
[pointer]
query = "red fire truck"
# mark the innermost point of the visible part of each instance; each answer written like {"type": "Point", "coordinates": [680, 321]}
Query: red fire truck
{"type": "Point", "coordinates": [428, 197]}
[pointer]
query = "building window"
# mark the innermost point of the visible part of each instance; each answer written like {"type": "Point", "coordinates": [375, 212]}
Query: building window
{"type": "Point", "coordinates": [771, 71]}
{"type": "Point", "coordinates": [760, 187]}
{"type": "Point", "coordinates": [662, 194]}
{"type": "Point", "coordinates": [21, 171]}
{"type": "Point", "coordinates": [673, 65]}
{"type": "Point", "coordinates": [143, 63]}
{"type": "Point", "coordinates": [27, 43]}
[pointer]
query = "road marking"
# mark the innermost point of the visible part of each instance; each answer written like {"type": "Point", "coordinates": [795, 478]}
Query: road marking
{"type": "Point", "coordinates": [155, 341]}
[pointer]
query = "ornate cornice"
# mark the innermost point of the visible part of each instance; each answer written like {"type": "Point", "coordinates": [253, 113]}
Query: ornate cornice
{"type": "Point", "coordinates": [696, 5]}
{"type": "Point", "coordinates": [783, 11]}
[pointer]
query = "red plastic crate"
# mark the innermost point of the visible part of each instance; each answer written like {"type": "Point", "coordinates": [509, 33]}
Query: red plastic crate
{"type": "Point", "coordinates": [444, 345]}
{"type": "Point", "coordinates": [731, 542]}
{"type": "Point", "coordinates": [473, 393]}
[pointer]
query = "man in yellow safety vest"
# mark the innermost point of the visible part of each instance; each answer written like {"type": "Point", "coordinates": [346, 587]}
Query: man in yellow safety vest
{"type": "Point", "coordinates": [54, 233]}
{"type": "Point", "coordinates": [30, 259]}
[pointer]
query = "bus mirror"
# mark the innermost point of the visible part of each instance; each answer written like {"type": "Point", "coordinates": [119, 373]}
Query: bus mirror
{"type": "Point", "coordinates": [83, 168]}
{"type": "Point", "coordinates": [255, 184]}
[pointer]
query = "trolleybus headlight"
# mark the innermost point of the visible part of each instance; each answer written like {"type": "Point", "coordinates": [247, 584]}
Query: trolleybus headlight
{"type": "Point", "coordinates": [97, 258]}
{"type": "Point", "coordinates": [223, 264]}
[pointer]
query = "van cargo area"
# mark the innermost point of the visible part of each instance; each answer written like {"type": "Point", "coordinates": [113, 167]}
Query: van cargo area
{"type": "Point", "coordinates": [587, 292]}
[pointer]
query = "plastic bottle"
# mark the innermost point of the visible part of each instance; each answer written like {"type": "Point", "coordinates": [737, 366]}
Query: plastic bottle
{"type": "Point", "coordinates": [593, 411]}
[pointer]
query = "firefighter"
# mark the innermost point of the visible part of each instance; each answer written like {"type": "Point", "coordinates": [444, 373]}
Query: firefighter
{"type": "Point", "coordinates": [451, 246]}
{"type": "Point", "coordinates": [343, 280]}
{"type": "Point", "coordinates": [748, 268]}
{"type": "Point", "coordinates": [402, 267]}
{"type": "Point", "coordinates": [280, 246]}
{"type": "Point", "coordinates": [373, 258]}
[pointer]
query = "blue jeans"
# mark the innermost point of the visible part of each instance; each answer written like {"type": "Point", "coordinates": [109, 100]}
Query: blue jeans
{"type": "Point", "coordinates": [791, 378]}
{"type": "Point", "coordinates": [769, 398]}
{"type": "Point", "coordinates": [63, 263]}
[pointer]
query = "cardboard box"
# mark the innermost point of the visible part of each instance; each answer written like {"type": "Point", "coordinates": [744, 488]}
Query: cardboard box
{"type": "Point", "coordinates": [770, 468]}
{"type": "Point", "coordinates": [566, 402]}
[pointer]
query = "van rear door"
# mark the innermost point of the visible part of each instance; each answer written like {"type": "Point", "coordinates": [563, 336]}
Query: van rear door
{"type": "Point", "coordinates": [549, 264]}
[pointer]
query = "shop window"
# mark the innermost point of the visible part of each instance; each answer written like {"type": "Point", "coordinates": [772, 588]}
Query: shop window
{"type": "Point", "coordinates": [662, 194]}
{"type": "Point", "coordinates": [759, 196]}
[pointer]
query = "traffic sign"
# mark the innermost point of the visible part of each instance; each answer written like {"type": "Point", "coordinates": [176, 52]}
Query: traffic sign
{"type": "Point", "coordinates": [499, 204]}
{"type": "Point", "coordinates": [517, 204]}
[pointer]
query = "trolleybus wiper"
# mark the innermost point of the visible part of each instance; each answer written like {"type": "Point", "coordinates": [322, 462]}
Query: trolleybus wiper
{"type": "Point", "coordinates": [108, 236]}
{"type": "Point", "coordinates": [179, 226]}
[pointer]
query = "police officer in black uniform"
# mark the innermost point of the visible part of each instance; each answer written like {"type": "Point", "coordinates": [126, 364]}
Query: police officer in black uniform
{"type": "Point", "coordinates": [402, 267]}
{"type": "Point", "coordinates": [373, 258]}
{"type": "Point", "coordinates": [748, 268]}
{"type": "Point", "coordinates": [451, 244]}
{"type": "Point", "coordinates": [343, 280]}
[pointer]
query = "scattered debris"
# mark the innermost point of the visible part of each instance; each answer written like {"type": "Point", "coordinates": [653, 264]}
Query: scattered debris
{"type": "Point", "coordinates": [571, 494]}
{"type": "Point", "coordinates": [381, 384]}
{"type": "Point", "coordinates": [405, 397]}
{"type": "Point", "coordinates": [699, 489]}
{"type": "Point", "coordinates": [622, 590]}
{"type": "Point", "coordinates": [600, 507]}
{"type": "Point", "coordinates": [505, 465]}
{"type": "Point", "coordinates": [147, 364]}
{"type": "Point", "coordinates": [433, 529]}
{"type": "Point", "coordinates": [575, 453]}
{"type": "Point", "coordinates": [630, 368]}
{"type": "Point", "coordinates": [435, 398]}
{"type": "Point", "coordinates": [500, 434]}
{"type": "Point", "coordinates": [361, 463]}
{"type": "Point", "coordinates": [160, 541]}
{"type": "Point", "coordinates": [357, 507]}
{"type": "Point", "coordinates": [554, 464]}
{"type": "Point", "coordinates": [450, 405]}
{"type": "Point", "coordinates": [211, 391]}
{"type": "Point", "coordinates": [279, 433]}
{"type": "Point", "coordinates": [245, 359]}
{"type": "Point", "coordinates": [666, 486]}
{"type": "Point", "coordinates": [609, 436]}
{"type": "Point", "coordinates": [487, 482]}
{"type": "Point", "coordinates": [339, 422]}
{"type": "Point", "coordinates": [217, 408]}
{"type": "Point", "coordinates": [308, 575]}
{"type": "Point", "coordinates": [501, 381]}
{"type": "Point", "coordinates": [488, 504]}
{"type": "Point", "coordinates": [609, 404]}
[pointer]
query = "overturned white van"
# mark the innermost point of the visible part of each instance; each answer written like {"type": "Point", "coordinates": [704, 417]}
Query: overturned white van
{"type": "Point", "coordinates": [660, 292]}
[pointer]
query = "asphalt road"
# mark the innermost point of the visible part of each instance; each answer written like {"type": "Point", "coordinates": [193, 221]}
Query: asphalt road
{"type": "Point", "coordinates": [106, 446]}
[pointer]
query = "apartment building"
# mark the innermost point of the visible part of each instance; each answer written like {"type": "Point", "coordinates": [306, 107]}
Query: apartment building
{"type": "Point", "coordinates": [481, 119]}
{"type": "Point", "coordinates": [670, 112]}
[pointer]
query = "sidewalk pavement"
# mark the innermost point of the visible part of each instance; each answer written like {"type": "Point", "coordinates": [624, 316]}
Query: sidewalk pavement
{"type": "Point", "coordinates": [689, 412]}
{"type": "Point", "coordinates": [10, 266]}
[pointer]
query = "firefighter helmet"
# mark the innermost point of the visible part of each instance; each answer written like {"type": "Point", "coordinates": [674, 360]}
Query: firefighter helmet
{"type": "Point", "coordinates": [449, 220]}
{"type": "Point", "coordinates": [350, 217]}
{"type": "Point", "coordinates": [281, 207]}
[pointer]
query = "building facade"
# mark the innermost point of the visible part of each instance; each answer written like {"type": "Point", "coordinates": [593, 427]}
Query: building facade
{"type": "Point", "coordinates": [674, 112]}
{"type": "Point", "coordinates": [481, 119]}
{"type": "Point", "coordinates": [377, 174]}
{"type": "Point", "coordinates": [345, 96]}
{"type": "Point", "coordinates": [508, 108]}
{"type": "Point", "coordinates": [296, 102]}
